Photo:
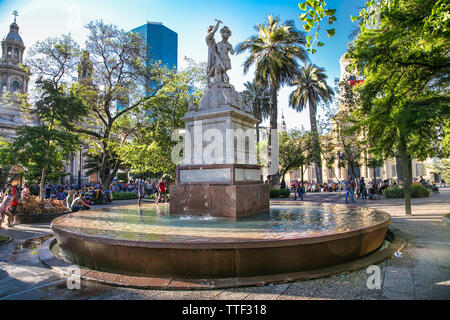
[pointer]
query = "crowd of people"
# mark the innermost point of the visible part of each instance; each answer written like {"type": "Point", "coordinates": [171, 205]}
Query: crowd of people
{"type": "Point", "coordinates": [142, 188]}
{"type": "Point", "coordinates": [76, 197]}
{"type": "Point", "coordinates": [353, 188]}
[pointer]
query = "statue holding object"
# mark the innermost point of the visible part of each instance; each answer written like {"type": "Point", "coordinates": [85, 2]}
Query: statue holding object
{"type": "Point", "coordinates": [218, 60]}
{"type": "Point", "coordinates": [219, 93]}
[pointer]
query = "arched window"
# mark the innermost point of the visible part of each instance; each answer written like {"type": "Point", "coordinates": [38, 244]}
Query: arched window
{"type": "Point", "coordinates": [16, 53]}
{"type": "Point", "coordinates": [15, 86]}
{"type": "Point", "coordinates": [9, 51]}
{"type": "Point", "coordinates": [4, 87]}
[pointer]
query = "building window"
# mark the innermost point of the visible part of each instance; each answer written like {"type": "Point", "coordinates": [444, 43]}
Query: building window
{"type": "Point", "coordinates": [420, 170]}
{"type": "Point", "coordinates": [16, 53]}
{"type": "Point", "coordinates": [394, 170]}
{"type": "Point", "coordinates": [4, 87]}
{"type": "Point", "coordinates": [378, 172]}
{"type": "Point", "coordinates": [15, 86]}
{"type": "Point", "coordinates": [312, 173]}
{"type": "Point", "coordinates": [9, 51]}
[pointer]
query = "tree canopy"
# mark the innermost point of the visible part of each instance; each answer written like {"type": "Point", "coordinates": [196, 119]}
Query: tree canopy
{"type": "Point", "coordinates": [404, 101]}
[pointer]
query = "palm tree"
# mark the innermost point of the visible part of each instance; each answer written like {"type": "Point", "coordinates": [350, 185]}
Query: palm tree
{"type": "Point", "coordinates": [312, 89]}
{"type": "Point", "coordinates": [92, 163]}
{"type": "Point", "coordinates": [260, 98]}
{"type": "Point", "coordinates": [274, 51]}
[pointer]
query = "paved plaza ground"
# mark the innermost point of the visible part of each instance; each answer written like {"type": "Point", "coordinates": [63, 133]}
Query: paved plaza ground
{"type": "Point", "coordinates": [421, 272]}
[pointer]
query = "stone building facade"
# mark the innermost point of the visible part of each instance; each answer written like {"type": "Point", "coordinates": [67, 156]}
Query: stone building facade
{"type": "Point", "coordinates": [13, 79]}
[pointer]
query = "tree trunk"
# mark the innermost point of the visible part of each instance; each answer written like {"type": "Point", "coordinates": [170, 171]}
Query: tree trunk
{"type": "Point", "coordinates": [108, 175]}
{"type": "Point", "coordinates": [257, 133]}
{"type": "Point", "coordinates": [43, 173]}
{"type": "Point", "coordinates": [405, 158]}
{"type": "Point", "coordinates": [302, 174]}
{"type": "Point", "coordinates": [374, 175]}
{"type": "Point", "coordinates": [352, 169]}
{"type": "Point", "coordinates": [316, 143]}
{"type": "Point", "coordinates": [366, 169]}
{"type": "Point", "coordinates": [275, 178]}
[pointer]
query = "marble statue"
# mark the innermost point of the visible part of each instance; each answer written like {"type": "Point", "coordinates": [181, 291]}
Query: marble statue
{"type": "Point", "coordinates": [218, 60]}
{"type": "Point", "coordinates": [219, 93]}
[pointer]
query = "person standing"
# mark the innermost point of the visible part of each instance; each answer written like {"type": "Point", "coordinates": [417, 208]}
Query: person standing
{"type": "Point", "coordinates": [161, 191]}
{"type": "Point", "coordinates": [296, 184]}
{"type": "Point", "coordinates": [362, 189]}
{"type": "Point", "coordinates": [283, 184]}
{"type": "Point", "coordinates": [348, 188]}
{"type": "Point", "coordinates": [14, 203]}
{"type": "Point", "coordinates": [301, 191]}
{"type": "Point", "coordinates": [4, 208]}
{"type": "Point", "coordinates": [141, 191]}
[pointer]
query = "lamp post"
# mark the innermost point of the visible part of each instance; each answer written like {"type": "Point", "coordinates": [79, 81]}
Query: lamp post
{"type": "Point", "coordinates": [79, 168]}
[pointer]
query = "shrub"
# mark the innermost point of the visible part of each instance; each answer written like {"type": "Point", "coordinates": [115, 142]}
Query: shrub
{"type": "Point", "coordinates": [33, 205]}
{"type": "Point", "coordinates": [394, 192]}
{"type": "Point", "coordinates": [124, 195]}
{"type": "Point", "coordinates": [279, 193]}
{"type": "Point", "coordinates": [417, 191]}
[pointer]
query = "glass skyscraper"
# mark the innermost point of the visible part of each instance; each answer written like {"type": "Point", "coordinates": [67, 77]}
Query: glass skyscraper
{"type": "Point", "coordinates": [162, 43]}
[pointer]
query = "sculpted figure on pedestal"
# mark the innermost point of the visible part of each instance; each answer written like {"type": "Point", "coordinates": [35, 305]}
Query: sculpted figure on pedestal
{"type": "Point", "coordinates": [219, 92]}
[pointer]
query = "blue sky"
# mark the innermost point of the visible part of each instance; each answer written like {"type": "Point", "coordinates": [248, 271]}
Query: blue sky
{"type": "Point", "coordinates": [39, 19]}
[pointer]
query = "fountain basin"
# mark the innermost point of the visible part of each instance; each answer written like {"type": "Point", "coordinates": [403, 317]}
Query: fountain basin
{"type": "Point", "coordinates": [150, 242]}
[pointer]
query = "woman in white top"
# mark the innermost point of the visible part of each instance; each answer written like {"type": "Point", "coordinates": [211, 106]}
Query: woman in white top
{"type": "Point", "coordinates": [4, 208]}
{"type": "Point", "coordinates": [25, 192]}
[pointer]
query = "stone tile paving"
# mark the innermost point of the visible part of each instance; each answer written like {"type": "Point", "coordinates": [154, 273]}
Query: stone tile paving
{"type": "Point", "coordinates": [301, 290]}
{"type": "Point", "coordinates": [422, 272]}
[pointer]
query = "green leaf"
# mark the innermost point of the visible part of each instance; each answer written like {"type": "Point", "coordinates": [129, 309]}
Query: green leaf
{"type": "Point", "coordinates": [352, 18]}
{"type": "Point", "coordinates": [308, 39]}
{"type": "Point", "coordinates": [320, 44]}
{"type": "Point", "coordinates": [313, 51]}
{"type": "Point", "coordinates": [316, 36]}
{"type": "Point", "coordinates": [331, 32]}
{"type": "Point", "coordinates": [302, 6]}
{"type": "Point", "coordinates": [310, 23]}
{"type": "Point", "coordinates": [332, 19]}
{"type": "Point", "coordinates": [311, 13]}
{"type": "Point", "coordinates": [306, 27]}
{"type": "Point", "coordinates": [302, 16]}
{"type": "Point", "coordinates": [330, 12]}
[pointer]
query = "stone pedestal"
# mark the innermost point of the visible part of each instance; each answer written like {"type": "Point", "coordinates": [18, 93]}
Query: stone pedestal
{"type": "Point", "coordinates": [231, 201]}
{"type": "Point", "coordinates": [219, 174]}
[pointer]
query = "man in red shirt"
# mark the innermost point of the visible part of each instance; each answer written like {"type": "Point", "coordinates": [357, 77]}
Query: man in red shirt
{"type": "Point", "coordinates": [161, 191]}
{"type": "Point", "coordinates": [14, 203]}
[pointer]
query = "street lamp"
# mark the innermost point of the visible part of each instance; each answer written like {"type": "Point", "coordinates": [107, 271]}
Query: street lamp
{"type": "Point", "coordinates": [79, 167]}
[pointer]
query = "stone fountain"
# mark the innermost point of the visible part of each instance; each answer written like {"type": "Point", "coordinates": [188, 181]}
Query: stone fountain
{"type": "Point", "coordinates": [199, 241]}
